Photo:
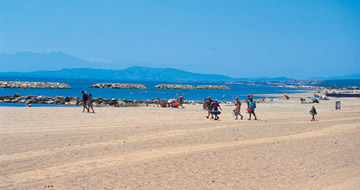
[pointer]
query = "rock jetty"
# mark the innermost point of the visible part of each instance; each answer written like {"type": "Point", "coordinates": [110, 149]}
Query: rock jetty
{"type": "Point", "coordinates": [174, 86]}
{"type": "Point", "coordinates": [72, 100]}
{"type": "Point", "coordinates": [118, 85]}
{"type": "Point", "coordinates": [26, 84]}
{"type": "Point", "coordinates": [217, 87]}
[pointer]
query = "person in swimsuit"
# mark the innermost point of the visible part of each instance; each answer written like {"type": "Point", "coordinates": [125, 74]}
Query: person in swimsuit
{"type": "Point", "coordinates": [181, 101]}
{"type": "Point", "coordinates": [84, 99]}
{"type": "Point", "coordinates": [90, 103]}
{"type": "Point", "coordinates": [237, 109]}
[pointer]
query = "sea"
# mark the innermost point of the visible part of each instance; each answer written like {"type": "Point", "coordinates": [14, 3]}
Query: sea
{"type": "Point", "coordinates": [79, 85]}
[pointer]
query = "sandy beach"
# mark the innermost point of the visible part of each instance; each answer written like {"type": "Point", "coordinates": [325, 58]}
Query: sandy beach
{"type": "Point", "coordinates": [163, 148]}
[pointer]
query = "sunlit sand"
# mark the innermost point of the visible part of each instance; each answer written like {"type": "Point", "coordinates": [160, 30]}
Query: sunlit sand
{"type": "Point", "coordinates": [164, 148]}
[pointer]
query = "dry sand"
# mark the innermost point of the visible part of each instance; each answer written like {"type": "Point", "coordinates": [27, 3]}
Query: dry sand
{"type": "Point", "coordinates": [154, 148]}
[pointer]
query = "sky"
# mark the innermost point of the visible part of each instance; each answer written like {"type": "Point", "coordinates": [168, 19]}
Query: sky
{"type": "Point", "coordinates": [237, 38]}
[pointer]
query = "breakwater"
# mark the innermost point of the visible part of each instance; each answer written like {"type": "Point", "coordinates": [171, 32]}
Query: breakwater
{"type": "Point", "coordinates": [72, 100]}
{"type": "Point", "coordinates": [215, 87]}
{"type": "Point", "coordinates": [190, 87]}
{"type": "Point", "coordinates": [174, 86]}
{"type": "Point", "coordinates": [118, 85]}
{"type": "Point", "coordinates": [28, 84]}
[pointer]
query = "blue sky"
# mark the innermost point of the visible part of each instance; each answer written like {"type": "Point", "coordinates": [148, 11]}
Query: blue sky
{"type": "Point", "coordinates": [238, 38]}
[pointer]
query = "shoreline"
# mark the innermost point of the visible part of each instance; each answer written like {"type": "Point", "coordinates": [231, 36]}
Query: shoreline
{"type": "Point", "coordinates": [61, 101]}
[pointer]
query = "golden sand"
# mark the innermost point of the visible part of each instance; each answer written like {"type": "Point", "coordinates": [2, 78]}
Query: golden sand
{"type": "Point", "coordinates": [164, 148]}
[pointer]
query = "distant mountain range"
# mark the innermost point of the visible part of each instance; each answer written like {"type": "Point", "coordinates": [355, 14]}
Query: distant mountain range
{"type": "Point", "coordinates": [132, 74]}
{"type": "Point", "coordinates": [60, 65]}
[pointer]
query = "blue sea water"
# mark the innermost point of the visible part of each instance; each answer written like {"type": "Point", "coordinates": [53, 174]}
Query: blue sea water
{"type": "Point", "coordinates": [78, 85]}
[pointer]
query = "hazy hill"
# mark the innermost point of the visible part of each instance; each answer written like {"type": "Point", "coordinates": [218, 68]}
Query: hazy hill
{"type": "Point", "coordinates": [60, 65]}
{"type": "Point", "coordinates": [131, 73]}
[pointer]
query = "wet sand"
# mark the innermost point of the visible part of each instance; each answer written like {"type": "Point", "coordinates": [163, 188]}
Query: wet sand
{"type": "Point", "coordinates": [164, 148]}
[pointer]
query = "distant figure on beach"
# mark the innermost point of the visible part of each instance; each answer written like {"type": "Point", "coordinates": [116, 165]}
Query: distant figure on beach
{"type": "Point", "coordinates": [204, 103]}
{"type": "Point", "coordinates": [181, 101]}
{"type": "Point", "coordinates": [251, 107]}
{"type": "Point", "coordinates": [215, 109]}
{"type": "Point", "coordinates": [313, 112]}
{"type": "Point", "coordinates": [84, 99]}
{"type": "Point", "coordinates": [338, 105]}
{"type": "Point", "coordinates": [302, 100]}
{"type": "Point", "coordinates": [28, 105]}
{"type": "Point", "coordinates": [158, 102]}
{"type": "Point", "coordinates": [163, 103]}
{"type": "Point", "coordinates": [90, 104]}
{"type": "Point", "coordinates": [236, 111]}
{"type": "Point", "coordinates": [208, 105]}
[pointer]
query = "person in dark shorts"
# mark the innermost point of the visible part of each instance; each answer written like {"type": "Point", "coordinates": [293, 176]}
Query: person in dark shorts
{"type": "Point", "coordinates": [84, 99]}
{"type": "Point", "coordinates": [251, 107]}
{"type": "Point", "coordinates": [90, 103]}
{"type": "Point", "coordinates": [215, 106]}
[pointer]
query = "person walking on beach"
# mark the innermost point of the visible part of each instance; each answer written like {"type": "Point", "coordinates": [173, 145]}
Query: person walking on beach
{"type": "Point", "coordinates": [208, 105]}
{"type": "Point", "coordinates": [90, 104]}
{"type": "Point", "coordinates": [251, 107]}
{"type": "Point", "coordinates": [313, 112]}
{"type": "Point", "coordinates": [216, 106]}
{"type": "Point", "coordinates": [84, 99]}
{"type": "Point", "coordinates": [236, 111]}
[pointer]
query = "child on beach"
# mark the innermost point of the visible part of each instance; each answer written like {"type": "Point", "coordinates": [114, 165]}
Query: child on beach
{"type": "Point", "coordinates": [90, 103]}
{"type": "Point", "coordinates": [236, 111]}
{"type": "Point", "coordinates": [313, 113]}
{"type": "Point", "coordinates": [251, 107]}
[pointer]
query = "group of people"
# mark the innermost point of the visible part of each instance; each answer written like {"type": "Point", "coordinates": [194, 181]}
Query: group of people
{"type": "Point", "coordinates": [87, 102]}
{"type": "Point", "coordinates": [172, 103]}
{"type": "Point", "coordinates": [213, 108]}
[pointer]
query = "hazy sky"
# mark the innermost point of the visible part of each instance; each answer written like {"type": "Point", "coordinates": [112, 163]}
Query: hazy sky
{"type": "Point", "coordinates": [238, 38]}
